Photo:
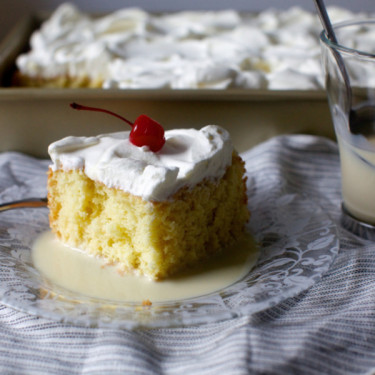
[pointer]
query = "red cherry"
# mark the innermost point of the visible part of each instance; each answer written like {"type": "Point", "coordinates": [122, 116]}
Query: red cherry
{"type": "Point", "coordinates": [148, 132]}
{"type": "Point", "coordinates": [145, 131]}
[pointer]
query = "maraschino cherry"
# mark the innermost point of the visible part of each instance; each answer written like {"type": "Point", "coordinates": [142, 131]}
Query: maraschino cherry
{"type": "Point", "coordinates": [145, 131]}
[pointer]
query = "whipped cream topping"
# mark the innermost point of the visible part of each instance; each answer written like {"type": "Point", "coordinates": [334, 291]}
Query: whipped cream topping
{"type": "Point", "coordinates": [133, 49]}
{"type": "Point", "coordinates": [188, 157]}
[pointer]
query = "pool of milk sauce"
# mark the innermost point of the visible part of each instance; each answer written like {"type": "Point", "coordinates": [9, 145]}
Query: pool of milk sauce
{"type": "Point", "coordinates": [92, 276]}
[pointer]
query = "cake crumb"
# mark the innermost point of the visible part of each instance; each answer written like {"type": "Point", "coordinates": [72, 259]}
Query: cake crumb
{"type": "Point", "coordinates": [120, 271]}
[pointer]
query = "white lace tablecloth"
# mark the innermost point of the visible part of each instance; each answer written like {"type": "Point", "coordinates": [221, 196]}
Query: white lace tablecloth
{"type": "Point", "coordinates": [328, 329]}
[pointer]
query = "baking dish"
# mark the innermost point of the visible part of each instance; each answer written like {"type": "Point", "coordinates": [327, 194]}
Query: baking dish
{"type": "Point", "coordinates": [31, 118]}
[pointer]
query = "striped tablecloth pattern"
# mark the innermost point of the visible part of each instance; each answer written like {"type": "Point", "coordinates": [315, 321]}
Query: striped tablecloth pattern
{"type": "Point", "coordinates": [328, 329]}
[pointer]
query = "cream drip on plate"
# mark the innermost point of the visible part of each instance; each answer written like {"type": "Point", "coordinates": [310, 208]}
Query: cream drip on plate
{"type": "Point", "coordinates": [92, 276]}
{"type": "Point", "coordinates": [187, 157]}
{"type": "Point", "coordinates": [134, 49]}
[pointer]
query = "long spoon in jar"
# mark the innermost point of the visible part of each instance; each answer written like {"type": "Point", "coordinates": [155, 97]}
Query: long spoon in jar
{"type": "Point", "coordinates": [361, 117]}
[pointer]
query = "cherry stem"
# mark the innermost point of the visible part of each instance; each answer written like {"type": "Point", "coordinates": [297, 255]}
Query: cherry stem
{"type": "Point", "coordinates": [86, 108]}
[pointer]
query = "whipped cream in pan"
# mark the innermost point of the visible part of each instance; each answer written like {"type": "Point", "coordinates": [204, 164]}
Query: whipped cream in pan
{"type": "Point", "coordinates": [187, 157]}
{"type": "Point", "coordinates": [133, 49]}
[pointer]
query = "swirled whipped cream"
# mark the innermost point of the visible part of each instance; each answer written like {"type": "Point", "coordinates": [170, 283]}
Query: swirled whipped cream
{"type": "Point", "coordinates": [188, 157]}
{"type": "Point", "coordinates": [133, 49]}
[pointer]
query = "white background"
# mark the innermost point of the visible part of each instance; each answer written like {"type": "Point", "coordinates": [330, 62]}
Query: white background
{"type": "Point", "coordinates": [12, 10]}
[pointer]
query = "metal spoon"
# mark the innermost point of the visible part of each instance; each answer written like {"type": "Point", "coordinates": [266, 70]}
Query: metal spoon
{"type": "Point", "coordinates": [361, 117]}
{"type": "Point", "coordinates": [24, 203]}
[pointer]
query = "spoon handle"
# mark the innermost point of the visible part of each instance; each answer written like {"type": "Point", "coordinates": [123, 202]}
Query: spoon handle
{"type": "Point", "coordinates": [24, 203]}
{"type": "Point", "coordinates": [327, 25]}
{"type": "Point", "coordinates": [324, 19]}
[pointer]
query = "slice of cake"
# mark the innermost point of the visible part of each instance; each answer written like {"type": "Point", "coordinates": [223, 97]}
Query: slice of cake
{"type": "Point", "coordinates": [153, 213]}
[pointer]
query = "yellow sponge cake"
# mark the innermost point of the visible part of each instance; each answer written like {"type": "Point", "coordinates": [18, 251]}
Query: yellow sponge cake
{"type": "Point", "coordinates": [152, 213]}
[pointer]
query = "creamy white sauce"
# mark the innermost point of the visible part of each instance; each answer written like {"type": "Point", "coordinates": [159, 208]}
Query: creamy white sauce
{"type": "Point", "coordinates": [91, 276]}
{"type": "Point", "coordinates": [358, 179]}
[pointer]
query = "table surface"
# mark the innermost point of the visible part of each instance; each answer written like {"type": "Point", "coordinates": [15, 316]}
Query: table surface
{"type": "Point", "coordinates": [326, 329]}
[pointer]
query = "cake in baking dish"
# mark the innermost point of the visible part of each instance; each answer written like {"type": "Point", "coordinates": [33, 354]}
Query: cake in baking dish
{"type": "Point", "coordinates": [135, 49]}
{"type": "Point", "coordinates": [152, 213]}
